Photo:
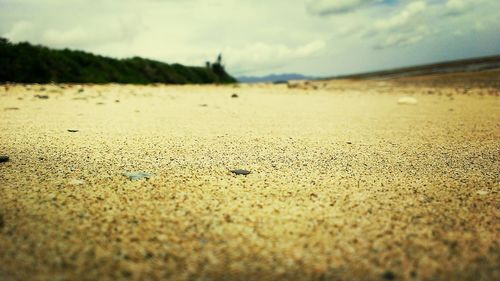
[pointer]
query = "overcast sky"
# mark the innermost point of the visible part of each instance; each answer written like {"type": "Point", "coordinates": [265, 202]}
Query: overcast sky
{"type": "Point", "coordinates": [256, 37]}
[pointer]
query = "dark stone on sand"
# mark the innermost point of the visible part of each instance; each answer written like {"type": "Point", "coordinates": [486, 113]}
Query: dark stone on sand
{"type": "Point", "coordinates": [43, 97]}
{"type": "Point", "coordinates": [72, 130]}
{"type": "Point", "coordinates": [349, 142]}
{"type": "Point", "coordinates": [4, 158]}
{"type": "Point", "coordinates": [149, 255]}
{"type": "Point", "coordinates": [240, 172]}
{"type": "Point", "coordinates": [388, 275]}
{"type": "Point", "coordinates": [234, 95]}
{"type": "Point", "coordinates": [204, 105]}
{"type": "Point", "coordinates": [2, 222]}
{"type": "Point", "coordinates": [11, 108]}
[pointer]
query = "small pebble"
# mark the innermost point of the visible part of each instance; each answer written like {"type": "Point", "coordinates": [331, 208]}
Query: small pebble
{"type": "Point", "coordinates": [4, 158]}
{"type": "Point", "coordinates": [11, 108]}
{"type": "Point", "coordinates": [137, 175]}
{"type": "Point", "coordinates": [76, 182]}
{"type": "Point", "coordinates": [43, 97]}
{"type": "Point", "coordinates": [240, 172]}
{"type": "Point", "coordinates": [72, 130]}
{"type": "Point", "coordinates": [234, 95]}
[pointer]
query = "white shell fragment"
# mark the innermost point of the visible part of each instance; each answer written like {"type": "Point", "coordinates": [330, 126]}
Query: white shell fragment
{"type": "Point", "coordinates": [407, 101]}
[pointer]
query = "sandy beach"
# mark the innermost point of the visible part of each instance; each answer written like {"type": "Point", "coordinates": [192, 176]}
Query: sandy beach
{"type": "Point", "coordinates": [349, 180]}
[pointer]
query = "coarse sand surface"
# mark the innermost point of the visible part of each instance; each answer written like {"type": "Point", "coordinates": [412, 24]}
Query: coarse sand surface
{"type": "Point", "coordinates": [115, 182]}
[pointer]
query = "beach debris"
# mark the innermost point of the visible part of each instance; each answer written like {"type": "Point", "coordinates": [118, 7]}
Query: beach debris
{"type": "Point", "coordinates": [72, 130]}
{"type": "Point", "coordinates": [11, 108]}
{"type": "Point", "coordinates": [42, 97]}
{"type": "Point", "coordinates": [349, 142]}
{"type": "Point", "coordinates": [301, 85]}
{"type": "Point", "coordinates": [240, 172]}
{"type": "Point", "coordinates": [482, 192]}
{"type": "Point", "coordinates": [407, 101]}
{"type": "Point", "coordinates": [234, 95]}
{"type": "Point", "coordinates": [137, 175]}
{"type": "Point", "coordinates": [4, 158]}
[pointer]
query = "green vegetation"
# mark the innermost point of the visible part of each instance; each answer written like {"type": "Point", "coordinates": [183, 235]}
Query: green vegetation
{"type": "Point", "coordinates": [26, 63]}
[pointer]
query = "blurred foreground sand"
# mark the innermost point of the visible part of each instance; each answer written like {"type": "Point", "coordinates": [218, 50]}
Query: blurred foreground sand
{"type": "Point", "coordinates": [346, 183]}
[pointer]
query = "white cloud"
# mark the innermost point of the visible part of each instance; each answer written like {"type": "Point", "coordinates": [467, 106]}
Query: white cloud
{"type": "Point", "coordinates": [259, 56]}
{"type": "Point", "coordinates": [123, 30]}
{"type": "Point", "coordinates": [405, 28]}
{"type": "Point", "coordinates": [20, 31]}
{"type": "Point", "coordinates": [403, 19]}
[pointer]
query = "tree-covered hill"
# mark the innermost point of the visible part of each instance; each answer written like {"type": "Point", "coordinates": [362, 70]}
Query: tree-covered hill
{"type": "Point", "coordinates": [26, 63]}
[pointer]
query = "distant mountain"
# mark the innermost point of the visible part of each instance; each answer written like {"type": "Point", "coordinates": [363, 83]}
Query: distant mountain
{"type": "Point", "coordinates": [26, 63]}
{"type": "Point", "coordinates": [273, 78]}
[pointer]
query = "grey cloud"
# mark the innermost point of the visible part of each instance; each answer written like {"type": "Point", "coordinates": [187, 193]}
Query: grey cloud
{"type": "Point", "coordinates": [419, 21]}
{"type": "Point", "coordinates": [457, 7]}
{"type": "Point", "coordinates": [329, 7]}
{"type": "Point", "coordinates": [402, 39]}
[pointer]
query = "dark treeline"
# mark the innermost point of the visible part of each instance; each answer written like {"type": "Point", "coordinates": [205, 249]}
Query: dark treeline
{"type": "Point", "coordinates": [26, 63]}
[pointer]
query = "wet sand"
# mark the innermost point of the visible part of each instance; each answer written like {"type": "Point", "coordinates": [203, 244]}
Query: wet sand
{"type": "Point", "coordinates": [345, 184]}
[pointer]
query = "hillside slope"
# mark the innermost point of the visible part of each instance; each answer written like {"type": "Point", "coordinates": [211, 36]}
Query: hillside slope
{"type": "Point", "coordinates": [447, 67]}
{"type": "Point", "coordinates": [26, 63]}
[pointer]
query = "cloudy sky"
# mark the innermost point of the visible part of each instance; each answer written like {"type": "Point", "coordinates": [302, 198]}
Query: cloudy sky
{"type": "Point", "coordinates": [256, 37]}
